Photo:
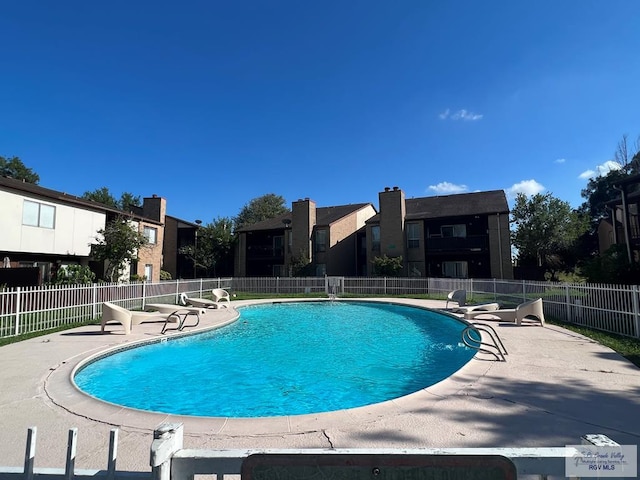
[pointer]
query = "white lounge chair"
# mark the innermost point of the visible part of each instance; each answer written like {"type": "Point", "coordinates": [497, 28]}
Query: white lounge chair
{"type": "Point", "coordinates": [170, 308]}
{"type": "Point", "coordinates": [128, 318]}
{"type": "Point", "coordinates": [531, 311]}
{"type": "Point", "coordinates": [480, 307]}
{"type": "Point", "coordinates": [220, 295]}
{"type": "Point", "coordinates": [458, 296]}
{"type": "Point", "coordinates": [198, 302]}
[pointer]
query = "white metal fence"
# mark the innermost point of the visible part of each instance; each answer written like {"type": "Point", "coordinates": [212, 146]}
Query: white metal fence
{"type": "Point", "coordinates": [34, 309]}
{"type": "Point", "coordinates": [170, 461]}
{"type": "Point", "coordinates": [611, 308]}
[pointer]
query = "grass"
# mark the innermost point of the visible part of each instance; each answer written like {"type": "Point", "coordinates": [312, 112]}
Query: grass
{"type": "Point", "coordinates": [628, 347]}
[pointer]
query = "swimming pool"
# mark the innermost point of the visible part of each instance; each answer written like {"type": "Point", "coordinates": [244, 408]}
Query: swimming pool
{"type": "Point", "coordinates": [286, 358]}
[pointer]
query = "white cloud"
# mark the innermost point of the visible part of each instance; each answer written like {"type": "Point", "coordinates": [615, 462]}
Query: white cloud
{"type": "Point", "coordinates": [446, 187]}
{"type": "Point", "coordinates": [528, 187]}
{"type": "Point", "coordinates": [587, 174]}
{"type": "Point", "coordinates": [600, 170]}
{"type": "Point", "coordinates": [461, 115]}
{"type": "Point", "coordinates": [561, 160]}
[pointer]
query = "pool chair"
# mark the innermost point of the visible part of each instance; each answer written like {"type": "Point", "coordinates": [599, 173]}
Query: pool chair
{"type": "Point", "coordinates": [527, 312]}
{"type": "Point", "coordinates": [480, 307]}
{"type": "Point", "coordinates": [170, 308]}
{"type": "Point", "coordinates": [220, 295]}
{"type": "Point", "coordinates": [128, 318]}
{"type": "Point", "coordinates": [198, 302]}
{"type": "Point", "coordinates": [458, 296]}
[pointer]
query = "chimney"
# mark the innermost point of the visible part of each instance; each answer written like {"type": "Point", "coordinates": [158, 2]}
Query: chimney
{"type": "Point", "coordinates": [303, 219]}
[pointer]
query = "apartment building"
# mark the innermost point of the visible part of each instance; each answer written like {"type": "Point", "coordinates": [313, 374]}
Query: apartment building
{"type": "Point", "coordinates": [324, 239]}
{"type": "Point", "coordinates": [458, 236]}
{"type": "Point", "coordinates": [623, 225]}
{"type": "Point", "coordinates": [44, 228]}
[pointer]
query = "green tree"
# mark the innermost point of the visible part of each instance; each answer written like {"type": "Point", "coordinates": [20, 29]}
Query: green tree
{"type": "Point", "coordinates": [259, 209]}
{"type": "Point", "coordinates": [385, 266]}
{"type": "Point", "coordinates": [116, 245]}
{"type": "Point", "coordinates": [104, 196]}
{"type": "Point", "coordinates": [14, 168]}
{"type": "Point", "coordinates": [545, 229]}
{"type": "Point", "coordinates": [612, 267]}
{"type": "Point", "coordinates": [300, 265]}
{"type": "Point", "coordinates": [213, 253]}
{"type": "Point", "coordinates": [73, 275]}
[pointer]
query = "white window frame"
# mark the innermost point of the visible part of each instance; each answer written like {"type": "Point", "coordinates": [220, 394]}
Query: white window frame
{"type": "Point", "coordinates": [148, 272]}
{"type": "Point", "coordinates": [36, 214]}
{"type": "Point", "coordinates": [147, 232]}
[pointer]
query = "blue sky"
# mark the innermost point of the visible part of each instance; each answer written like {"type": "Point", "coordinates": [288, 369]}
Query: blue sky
{"type": "Point", "coordinates": [210, 104]}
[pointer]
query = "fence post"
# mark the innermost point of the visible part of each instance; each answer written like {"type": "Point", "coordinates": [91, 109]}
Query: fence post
{"type": "Point", "coordinates": [113, 453]}
{"type": "Point", "coordinates": [177, 300]}
{"type": "Point", "coordinates": [30, 453]}
{"type": "Point", "coordinates": [636, 310]}
{"type": "Point", "coordinates": [17, 331]}
{"type": "Point", "coordinates": [385, 285]}
{"type": "Point", "coordinates": [495, 290]}
{"type": "Point", "coordinates": [167, 440]}
{"type": "Point", "coordinates": [524, 291]}
{"type": "Point", "coordinates": [94, 300]}
{"type": "Point", "coordinates": [567, 300]}
{"type": "Point", "coordinates": [70, 465]}
{"type": "Point", "coordinates": [201, 287]}
{"type": "Point", "coordinates": [144, 293]}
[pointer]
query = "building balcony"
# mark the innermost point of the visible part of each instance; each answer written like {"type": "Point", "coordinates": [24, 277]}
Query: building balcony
{"type": "Point", "coordinates": [474, 243]}
{"type": "Point", "coordinates": [264, 252]}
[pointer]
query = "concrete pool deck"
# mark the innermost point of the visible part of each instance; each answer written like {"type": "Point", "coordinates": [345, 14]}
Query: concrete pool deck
{"type": "Point", "coordinates": [554, 387]}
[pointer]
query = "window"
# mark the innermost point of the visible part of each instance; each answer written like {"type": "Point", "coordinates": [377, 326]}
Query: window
{"type": "Point", "coordinates": [454, 230]}
{"type": "Point", "coordinates": [148, 272]}
{"type": "Point", "coordinates": [413, 235]}
{"type": "Point", "coordinates": [321, 241]}
{"type": "Point", "coordinates": [37, 214]}
{"type": "Point", "coordinates": [454, 269]}
{"type": "Point", "coordinates": [151, 234]}
{"type": "Point", "coordinates": [375, 238]}
{"type": "Point", "coordinates": [278, 270]}
{"type": "Point", "coordinates": [278, 248]}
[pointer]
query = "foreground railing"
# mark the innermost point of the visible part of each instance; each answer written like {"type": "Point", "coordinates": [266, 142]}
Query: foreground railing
{"type": "Point", "coordinates": [170, 461]}
{"type": "Point", "coordinates": [611, 308]}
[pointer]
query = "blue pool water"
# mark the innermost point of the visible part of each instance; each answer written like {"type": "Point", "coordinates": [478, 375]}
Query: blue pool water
{"type": "Point", "coordinates": [286, 359]}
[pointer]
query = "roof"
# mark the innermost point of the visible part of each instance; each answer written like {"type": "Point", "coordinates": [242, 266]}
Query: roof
{"type": "Point", "coordinates": [462, 204]}
{"type": "Point", "coordinates": [7, 183]}
{"type": "Point", "coordinates": [324, 216]}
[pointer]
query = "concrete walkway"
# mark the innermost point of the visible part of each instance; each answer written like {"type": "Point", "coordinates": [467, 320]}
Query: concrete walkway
{"type": "Point", "coordinates": [554, 387]}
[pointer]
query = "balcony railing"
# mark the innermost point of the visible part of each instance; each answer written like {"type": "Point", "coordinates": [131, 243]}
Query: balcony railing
{"type": "Point", "coordinates": [458, 244]}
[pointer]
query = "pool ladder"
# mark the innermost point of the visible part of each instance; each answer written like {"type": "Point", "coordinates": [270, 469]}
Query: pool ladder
{"type": "Point", "coordinates": [495, 348]}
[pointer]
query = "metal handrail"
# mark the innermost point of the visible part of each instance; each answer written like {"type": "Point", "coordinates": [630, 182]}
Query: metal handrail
{"type": "Point", "coordinates": [496, 348]}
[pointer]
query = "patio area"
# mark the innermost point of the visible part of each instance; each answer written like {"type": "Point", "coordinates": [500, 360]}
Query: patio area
{"type": "Point", "coordinates": [554, 387]}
